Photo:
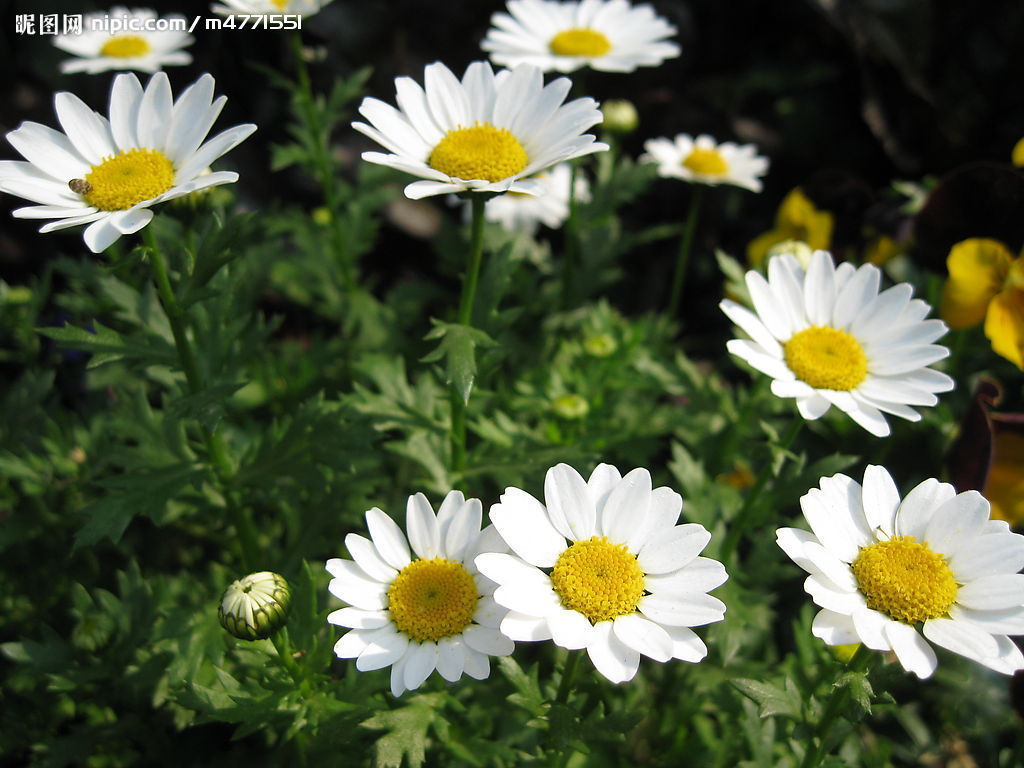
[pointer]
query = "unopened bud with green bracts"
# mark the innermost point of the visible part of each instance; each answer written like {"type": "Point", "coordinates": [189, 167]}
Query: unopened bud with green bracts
{"type": "Point", "coordinates": [256, 606]}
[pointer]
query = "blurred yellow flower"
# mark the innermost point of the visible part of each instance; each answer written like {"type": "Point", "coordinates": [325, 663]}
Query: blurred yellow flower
{"type": "Point", "coordinates": [1017, 157]}
{"type": "Point", "coordinates": [1005, 485]}
{"type": "Point", "coordinates": [796, 219]}
{"type": "Point", "coordinates": [986, 282]}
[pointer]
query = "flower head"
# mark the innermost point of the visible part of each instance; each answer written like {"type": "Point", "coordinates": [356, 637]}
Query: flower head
{"type": "Point", "coordinates": [108, 172]}
{"type": "Point", "coordinates": [702, 161]}
{"type": "Point", "coordinates": [796, 219]}
{"type": "Point", "coordinates": [487, 133]}
{"type": "Point", "coordinates": [603, 566]}
{"type": "Point", "coordinates": [434, 611]}
{"type": "Point", "coordinates": [256, 606]}
{"type": "Point", "coordinates": [607, 35]}
{"type": "Point", "coordinates": [986, 282]}
{"type": "Point", "coordinates": [828, 337]}
{"type": "Point", "coordinates": [886, 571]}
{"type": "Point", "coordinates": [148, 43]}
{"type": "Point", "coordinates": [269, 7]}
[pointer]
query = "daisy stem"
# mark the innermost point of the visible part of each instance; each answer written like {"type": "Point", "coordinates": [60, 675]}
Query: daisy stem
{"type": "Point", "coordinates": [186, 356]}
{"type": "Point", "coordinates": [859, 663]}
{"type": "Point", "coordinates": [284, 653]}
{"type": "Point", "coordinates": [743, 518]}
{"type": "Point", "coordinates": [685, 248]}
{"type": "Point", "coordinates": [572, 663]}
{"type": "Point", "coordinates": [325, 165]}
{"type": "Point", "coordinates": [465, 317]}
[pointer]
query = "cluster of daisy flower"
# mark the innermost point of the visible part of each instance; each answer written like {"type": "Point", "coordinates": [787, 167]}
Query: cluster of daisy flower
{"type": "Point", "coordinates": [602, 564]}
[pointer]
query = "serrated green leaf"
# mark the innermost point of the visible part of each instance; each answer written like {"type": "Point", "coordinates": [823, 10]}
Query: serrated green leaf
{"type": "Point", "coordinates": [771, 699]}
{"type": "Point", "coordinates": [406, 736]}
{"type": "Point", "coordinates": [206, 407]}
{"type": "Point", "coordinates": [107, 345]}
{"type": "Point", "coordinates": [457, 347]}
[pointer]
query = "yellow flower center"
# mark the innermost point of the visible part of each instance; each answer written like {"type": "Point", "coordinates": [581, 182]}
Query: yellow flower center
{"type": "Point", "coordinates": [125, 47]}
{"type": "Point", "coordinates": [432, 599]}
{"type": "Point", "coordinates": [826, 358]}
{"type": "Point", "coordinates": [599, 579]}
{"type": "Point", "coordinates": [580, 41]}
{"type": "Point", "coordinates": [708, 162]}
{"type": "Point", "coordinates": [479, 152]}
{"type": "Point", "coordinates": [123, 180]}
{"type": "Point", "coordinates": [279, 4]}
{"type": "Point", "coordinates": [905, 580]}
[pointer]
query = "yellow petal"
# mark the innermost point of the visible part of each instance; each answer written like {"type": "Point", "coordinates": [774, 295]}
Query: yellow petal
{"type": "Point", "coordinates": [1005, 485]}
{"type": "Point", "coordinates": [796, 219]}
{"type": "Point", "coordinates": [1017, 158]}
{"type": "Point", "coordinates": [1004, 326]}
{"type": "Point", "coordinates": [977, 268]}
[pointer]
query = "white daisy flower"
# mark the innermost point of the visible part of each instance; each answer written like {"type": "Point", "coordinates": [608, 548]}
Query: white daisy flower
{"type": "Point", "coordinates": [703, 161]}
{"type": "Point", "coordinates": [828, 337]}
{"type": "Point", "coordinates": [524, 213]}
{"type": "Point", "coordinates": [608, 35]}
{"type": "Point", "coordinates": [268, 7]}
{"type": "Point", "coordinates": [886, 571]}
{"type": "Point", "coordinates": [627, 582]}
{"type": "Point", "coordinates": [108, 172]}
{"type": "Point", "coordinates": [418, 615]}
{"type": "Point", "coordinates": [141, 46]}
{"type": "Point", "coordinates": [487, 133]}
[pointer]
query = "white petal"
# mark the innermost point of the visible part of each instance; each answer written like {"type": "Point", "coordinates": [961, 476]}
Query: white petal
{"type": "Point", "coordinates": [100, 235]}
{"type": "Point", "coordinates": [611, 657]}
{"type": "Point", "coordinates": [911, 649]}
{"type": "Point", "coordinates": [988, 555]}
{"type": "Point", "coordinates": [644, 636]}
{"type": "Point", "coordinates": [398, 676]}
{"type": "Point", "coordinates": [125, 100]}
{"type": "Point", "coordinates": [961, 637]}
{"type": "Point", "coordinates": [752, 326]}
{"type": "Point", "coordinates": [769, 311]}
{"type": "Point", "coordinates": [488, 613]}
{"type": "Point", "coordinates": [811, 407]}
{"type": "Point", "coordinates": [855, 293]}
{"type": "Point", "coordinates": [702, 575]}
{"type": "Point", "coordinates": [688, 611]}
{"type": "Point", "coordinates": [834, 628]}
{"type": "Point", "coordinates": [358, 618]}
{"type": "Point", "coordinates": [366, 557]}
{"type": "Point", "coordinates": [385, 646]}
{"type": "Point", "coordinates": [993, 593]}
{"type": "Point", "coordinates": [1008, 658]}
{"type": "Point", "coordinates": [570, 629]}
{"type": "Point", "coordinates": [666, 506]}
{"type": "Point", "coordinates": [602, 480]}
{"type": "Point", "coordinates": [88, 132]}
{"type": "Point", "coordinates": [420, 661]}
{"type": "Point", "coordinates": [870, 626]}
{"type": "Point", "coordinates": [351, 644]}
{"type": "Point", "coordinates": [820, 288]}
{"type": "Point", "coordinates": [477, 665]}
{"type": "Point", "coordinates": [686, 646]}
{"type": "Point", "coordinates": [570, 508]}
{"type": "Point", "coordinates": [880, 499]}
{"type": "Point", "coordinates": [388, 539]}
{"type": "Point", "coordinates": [523, 523]}
{"type": "Point", "coordinates": [625, 518]}
{"type": "Point", "coordinates": [451, 658]}
{"type": "Point", "coordinates": [155, 112]}
{"type": "Point", "coordinates": [531, 599]}
{"type": "Point", "coordinates": [48, 150]}
{"type": "Point", "coordinates": [835, 528]}
{"type": "Point", "coordinates": [486, 640]}
{"type": "Point", "coordinates": [422, 528]}
{"type": "Point", "coordinates": [1008, 621]}
{"type": "Point", "coordinates": [463, 532]}
{"type": "Point", "coordinates": [673, 549]}
{"type": "Point", "coordinates": [919, 505]}
{"type": "Point", "coordinates": [131, 221]}
{"type": "Point", "coordinates": [523, 628]}
{"type": "Point", "coordinates": [957, 522]}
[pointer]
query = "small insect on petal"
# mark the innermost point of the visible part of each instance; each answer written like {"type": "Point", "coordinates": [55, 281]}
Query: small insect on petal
{"type": "Point", "coordinates": [80, 186]}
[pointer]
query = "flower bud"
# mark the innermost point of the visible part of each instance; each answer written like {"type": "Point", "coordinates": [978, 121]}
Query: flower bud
{"type": "Point", "coordinates": [256, 606]}
{"type": "Point", "coordinates": [600, 345]}
{"type": "Point", "coordinates": [800, 250]}
{"type": "Point", "coordinates": [570, 406]}
{"type": "Point", "coordinates": [619, 116]}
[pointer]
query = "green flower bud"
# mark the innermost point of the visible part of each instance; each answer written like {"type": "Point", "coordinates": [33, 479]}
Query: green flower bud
{"type": "Point", "coordinates": [570, 406]}
{"type": "Point", "coordinates": [619, 116]}
{"type": "Point", "coordinates": [600, 345]}
{"type": "Point", "coordinates": [256, 606]}
{"type": "Point", "coordinates": [796, 248]}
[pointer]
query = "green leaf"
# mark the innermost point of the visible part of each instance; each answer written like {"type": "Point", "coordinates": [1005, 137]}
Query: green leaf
{"type": "Point", "coordinates": [771, 699]}
{"type": "Point", "coordinates": [860, 692]}
{"type": "Point", "coordinates": [406, 736]}
{"type": "Point", "coordinates": [107, 345]}
{"type": "Point", "coordinates": [457, 346]}
{"type": "Point", "coordinates": [206, 407]}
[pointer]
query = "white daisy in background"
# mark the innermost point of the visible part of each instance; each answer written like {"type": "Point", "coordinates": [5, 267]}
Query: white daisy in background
{"type": "Point", "coordinates": [619, 577]}
{"type": "Point", "coordinates": [487, 133]}
{"type": "Point", "coordinates": [141, 46]}
{"type": "Point", "coordinates": [268, 7]}
{"type": "Point", "coordinates": [608, 35]}
{"type": "Point", "coordinates": [828, 337]}
{"type": "Point", "coordinates": [107, 172]}
{"type": "Point", "coordinates": [886, 571]}
{"type": "Point", "coordinates": [702, 161]}
{"type": "Point", "coordinates": [524, 213]}
{"type": "Point", "coordinates": [417, 615]}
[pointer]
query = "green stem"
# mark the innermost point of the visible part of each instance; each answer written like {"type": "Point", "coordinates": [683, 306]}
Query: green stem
{"type": "Point", "coordinates": [284, 652]}
{"type": "Point", "coordinates": [743, 518]}
{"type": "Point", "coordinates": [859, 663]}
{"type": "Point", "coordinates": [572, 241]}
{"type": "Point", "coordinates": [465, 317]}
{"type": "Point", "coordinates": [560, 759]}
{"type": "Point", "coordinates": [215, 447]}
{"type": "Point", "coordinates": [685, 248]}
{"type": "Point", "coordinates": [324, 164]}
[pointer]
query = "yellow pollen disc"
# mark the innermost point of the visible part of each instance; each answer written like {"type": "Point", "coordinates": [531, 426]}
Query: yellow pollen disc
{"type": "Point", "coordinates": [125, 47]}
{"type": "Point", "coordinates": [279, 4]}
{"type": "Point", "coordinates": [708, 162]}
{"type": "Point", "coordinates": [599, 579]}
{"type": "Point", "coordinates": [121, 181]}
{"type": "Point", "coordinates": [826, 358]}
{"type": "Point", "coordinates": [905, 580]}
{"type": "Point", "coordinates": [479, 152]}
{"type": "Point", "coordinates": [432, 599]}
{"type": "Point", "coordinates": [580, 42]}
